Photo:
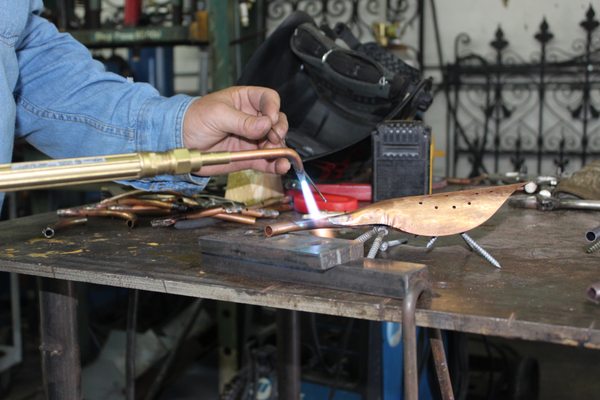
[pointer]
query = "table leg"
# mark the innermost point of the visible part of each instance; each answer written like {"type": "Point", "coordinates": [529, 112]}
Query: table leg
{"type": "Point", "coordinates": [288, 354]}
{"type": "Point", "coordinates": [414, 289]}
{"type": "Point", "coordinates": [441, 364]}
{"type": "Point", "coordinates": [61, 366]}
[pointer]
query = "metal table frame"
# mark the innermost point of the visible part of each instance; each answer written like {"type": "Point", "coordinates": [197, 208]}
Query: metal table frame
{"type": "Point", "coordinates": [538, 295]}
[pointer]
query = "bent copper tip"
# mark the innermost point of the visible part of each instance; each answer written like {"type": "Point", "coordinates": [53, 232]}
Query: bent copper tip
{"type": "Point", "coordinates": [267, 154]}
{"type": "Point", "coordinates": [593, 292]}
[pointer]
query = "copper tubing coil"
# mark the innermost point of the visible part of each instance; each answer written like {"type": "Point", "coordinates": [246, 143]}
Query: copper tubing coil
{"type": "Point", "coordinates": [152, 203]}
{"type": "Point", "coordinates": [593, 292]}
{"type": "Point", "coordinates": [277, 201]}
{"type": "Point", "coordinates": [129, 217]}
{"type": "Point", "coordinates": [286, 227]}
{"type": "Point", "coordinates": [242, 219]}
{"type": "Point", "coordinates": [122, 196]}
{"type": "Point", "coordinates": [209, 212]}
{"type": "Point", "coordinates": [62, 223]}
{"type": "Point", "coordinates": [260, 212]}
{"type": "Point", "coordinates": [165, 197]}
{"type": "Point", "coordinates": [139, 209]}
{"type": "Point", "coordinates": [282, 207]}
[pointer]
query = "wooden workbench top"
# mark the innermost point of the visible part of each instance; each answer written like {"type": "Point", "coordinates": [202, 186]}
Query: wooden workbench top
{"type": "Point", "coordinates": [539, 294]}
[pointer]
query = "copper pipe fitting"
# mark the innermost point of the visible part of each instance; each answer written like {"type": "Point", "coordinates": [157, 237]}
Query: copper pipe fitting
{"type": "Point", "coordinates": [241, 219]}
{"type": "Point", "coordinates": [62, 223]}
{"type": "Point", "coordinates": [139, 209]}
{"type": "Point", "coordinates": [269, 203]}
{"type": "Point", "coordinates": [209, 212]}
{"type": "Point", "coordinates": [286, 227]}
{"type": "Point", "coordinates": [121, 196]}
{"type": "Point", "coordinates": [260, 212]}
{"type": "Point", "coordinates": [129, 217]}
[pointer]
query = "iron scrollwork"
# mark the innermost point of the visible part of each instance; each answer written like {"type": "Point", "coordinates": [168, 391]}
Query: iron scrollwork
{"type": "Point", "coordinates": [358, 14]}
{"type": "Point", "coordinates": [542, 115]}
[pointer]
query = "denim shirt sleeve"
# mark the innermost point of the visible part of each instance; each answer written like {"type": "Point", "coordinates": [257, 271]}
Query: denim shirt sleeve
{"type": "Point", "coordinates": [69, 106]}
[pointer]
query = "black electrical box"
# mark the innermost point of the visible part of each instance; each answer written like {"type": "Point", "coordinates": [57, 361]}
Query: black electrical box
{"type": "Point", "coordinates": [401, 159]}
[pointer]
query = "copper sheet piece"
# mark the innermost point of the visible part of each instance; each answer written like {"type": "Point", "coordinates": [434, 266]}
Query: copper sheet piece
{"type": "Point", "coordinates": [438, 214]}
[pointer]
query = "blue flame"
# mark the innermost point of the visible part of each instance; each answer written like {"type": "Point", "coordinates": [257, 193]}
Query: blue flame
{"type": "Point", "coordinates": [309, 198]}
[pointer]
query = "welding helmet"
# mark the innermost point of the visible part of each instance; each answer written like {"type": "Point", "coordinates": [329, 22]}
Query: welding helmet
{"type": "Point", "coordinates": [334, 89]}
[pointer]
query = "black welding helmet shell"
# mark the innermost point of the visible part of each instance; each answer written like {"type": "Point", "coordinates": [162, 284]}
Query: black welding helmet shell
{"type": "Point", "coordinates": [333, 96]}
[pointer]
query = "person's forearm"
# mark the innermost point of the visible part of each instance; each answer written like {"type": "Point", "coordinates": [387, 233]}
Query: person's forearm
{"type": "Point", "coordinates": [69, 106]}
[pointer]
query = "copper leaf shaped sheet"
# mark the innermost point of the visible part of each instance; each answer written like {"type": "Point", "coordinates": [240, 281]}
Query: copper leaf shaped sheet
{"type": "Point", "coordinates": [438, 214]}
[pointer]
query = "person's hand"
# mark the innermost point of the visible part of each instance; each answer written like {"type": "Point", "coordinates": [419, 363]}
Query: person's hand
{"type": "Point", "coordinates": [237, 118]}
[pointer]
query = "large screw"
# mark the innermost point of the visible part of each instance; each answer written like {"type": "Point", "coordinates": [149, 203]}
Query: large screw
{"type": "Point", "coordinates": [392, 243]}
{"type": "Point", "coordinates": [367, 235]}
{"type": "Point", "coordinates": [593, 247]}
{"type": "Point", "coordinates": [382, 232]}
{"type": "Point", "coordinates": [477, 248]}
{"type": "Point", "coordinates": [429, 244]}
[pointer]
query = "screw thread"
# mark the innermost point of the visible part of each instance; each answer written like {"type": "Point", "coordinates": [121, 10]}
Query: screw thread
{"type": "Point", "coordinates": [431, 242]}
{"type": "Point", "coordinates": [593, 247]}
{"type": "Point", "coordinates": [382, 232]}
{"type": "Point", "coordinates": [477, 248]}
{"type": "Point", "coordinates": [366, 236]}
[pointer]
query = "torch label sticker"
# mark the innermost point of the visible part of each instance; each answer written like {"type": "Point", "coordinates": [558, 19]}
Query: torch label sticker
{"type": "Point", "coordinates": [57, 163]}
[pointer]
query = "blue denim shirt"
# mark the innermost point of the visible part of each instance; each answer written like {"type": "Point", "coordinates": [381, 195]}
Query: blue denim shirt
{"type": "Point", "coordinates": [53, 94]}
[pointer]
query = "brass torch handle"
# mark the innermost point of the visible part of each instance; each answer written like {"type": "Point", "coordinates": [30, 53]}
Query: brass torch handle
{"type": "Point", "coordinates": [73, 171]}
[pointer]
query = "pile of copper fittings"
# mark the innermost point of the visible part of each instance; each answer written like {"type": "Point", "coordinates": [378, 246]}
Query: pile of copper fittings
{"type": "Point", "coordinates": [167, 209]}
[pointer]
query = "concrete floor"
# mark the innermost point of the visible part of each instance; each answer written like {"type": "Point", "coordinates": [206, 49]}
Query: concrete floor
{"type": "Point", "coordinates": [565, 373]}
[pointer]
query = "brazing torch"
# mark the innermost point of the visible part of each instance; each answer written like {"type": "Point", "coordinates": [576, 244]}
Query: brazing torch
{"type": "Point", "coordinates": [73, 171]}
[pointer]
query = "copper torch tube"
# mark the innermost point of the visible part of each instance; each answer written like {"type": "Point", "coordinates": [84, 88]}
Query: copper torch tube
{"type": "Point", "coordinates": [267, 154]}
